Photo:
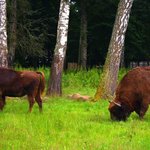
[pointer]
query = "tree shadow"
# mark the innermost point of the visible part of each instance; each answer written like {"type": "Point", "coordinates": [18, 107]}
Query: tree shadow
{"type": "Point", "coordinates": [99, 119]}
{"type": "Point", "coordinates": [19, 108]}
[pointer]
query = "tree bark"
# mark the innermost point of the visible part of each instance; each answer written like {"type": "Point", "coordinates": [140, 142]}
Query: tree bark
{"type": "Point", "coordinates": [3, 35]}
{"type": "Point", "coordinates": [82, 58]}
{"type": "Point", "coordinates": [54, 87]}
{"type": "Point", "coordinates": [12, 32]}
{"type": "Point", "coordinates": [108, 81]}
{"type": "Point", "coordinates": [122, 62]}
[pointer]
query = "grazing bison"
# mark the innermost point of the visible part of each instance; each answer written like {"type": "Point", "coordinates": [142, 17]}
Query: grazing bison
{"type": "Point", "coordinates": [132, 94]}
{"type": "Point", "coordinates": [20, 83]}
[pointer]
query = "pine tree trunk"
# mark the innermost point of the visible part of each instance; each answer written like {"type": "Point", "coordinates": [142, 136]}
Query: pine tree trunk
{"type": "Point", "coordinates": [82, 58]}
{"type": "Point", "coordinates": [54, 87]}
{"type": "Point", "coordinates": [108, 81]}
{"type": "Point", "coordinates": [3, 35]}
{"type": "Point", "coordinates": [12, 32]}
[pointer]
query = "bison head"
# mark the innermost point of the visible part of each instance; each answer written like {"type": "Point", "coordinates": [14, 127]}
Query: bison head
{"type": "Point", "coordinates": [118, 111]}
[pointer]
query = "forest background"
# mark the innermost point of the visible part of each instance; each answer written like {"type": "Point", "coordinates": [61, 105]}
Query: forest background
{"type": "Point", "coordinates": [37, 30]}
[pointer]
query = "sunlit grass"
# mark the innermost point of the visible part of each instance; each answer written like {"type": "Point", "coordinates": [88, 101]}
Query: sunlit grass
{"type": "Point", "coordinates": [70, 125]}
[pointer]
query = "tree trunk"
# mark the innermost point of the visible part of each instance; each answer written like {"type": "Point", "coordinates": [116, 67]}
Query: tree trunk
{"type": "Point", "coordinates": [108, 81]}
{"type": "Point", "coordinates": [3, 35]}
{"type": "Point", "coordinates": [12, 33]}
{"type": "Point", "coordinates": [82, 58]}
{"type": "Point", "coordinates": [54, 87]}
{"type": "Point", "coordinates": [122, 63]}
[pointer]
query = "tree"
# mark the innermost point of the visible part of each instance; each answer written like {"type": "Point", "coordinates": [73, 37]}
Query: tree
{"type": "Point", "coordinates": [32, 33]}
{"type": "Point", "coordinates": [3, 35]}
{"type": "Point", "coordinates": [54, 87]}
{"type": "Point", "coordinates": [82, 58]}
{"type": "Point", "coordinates": [12, 32]}
{"type": "Point", "coordinates": [108, 81]}
{"type": "Point", "coordinates": [122, 64]}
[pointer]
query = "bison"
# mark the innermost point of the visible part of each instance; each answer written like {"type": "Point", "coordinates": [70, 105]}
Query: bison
{"type": "Point", "coordinates": [19, 83]}
{"type": "Point", "coordinates": [132, 94]}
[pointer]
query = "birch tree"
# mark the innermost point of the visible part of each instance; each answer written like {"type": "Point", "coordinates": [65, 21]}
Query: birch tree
{"type": "Point", "coordinates": [108, 81]}
{"type": "Point", "coordinates": [3, 35]}
{"type": "Point", "coordinates": [54, 87]}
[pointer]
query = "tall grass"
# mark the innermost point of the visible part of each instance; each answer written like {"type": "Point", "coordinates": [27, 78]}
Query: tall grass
{"type": "Point", "coordinates": [84, 82]}
{"type": "Point", "coordinates": [70, 125]}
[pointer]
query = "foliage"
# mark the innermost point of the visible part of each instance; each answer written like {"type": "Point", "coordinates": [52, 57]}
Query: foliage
{"type": "Point", "coordinates": [37, 25]}
{"type": "Point", "coordinates": [137, 35]}
{"type": "Point", "coordinates": [81, 78]}
{"type": "Point", "coordinates": [33, 35]}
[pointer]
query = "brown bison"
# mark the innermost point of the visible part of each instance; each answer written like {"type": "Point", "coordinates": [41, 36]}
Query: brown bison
{"type": "Point", "coordinates": [132, 94]}
{"type": "Point", "coordinates": [19, 83]}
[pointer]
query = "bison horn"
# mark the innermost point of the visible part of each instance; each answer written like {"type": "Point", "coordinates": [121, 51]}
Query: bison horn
{"type": "Point", "coordinates": [117, 104]}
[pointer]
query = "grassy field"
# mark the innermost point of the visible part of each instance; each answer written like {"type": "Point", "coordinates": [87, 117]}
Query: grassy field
{"type": "Point", "coordinates": [70, 125]}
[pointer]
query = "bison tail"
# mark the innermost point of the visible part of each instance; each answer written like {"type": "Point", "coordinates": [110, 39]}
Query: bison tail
{"type": "Point", "coordinates": [42, 82]}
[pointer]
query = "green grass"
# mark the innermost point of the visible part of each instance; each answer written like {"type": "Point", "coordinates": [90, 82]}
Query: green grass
{"type": "Point", "coordinates": [70, 125]}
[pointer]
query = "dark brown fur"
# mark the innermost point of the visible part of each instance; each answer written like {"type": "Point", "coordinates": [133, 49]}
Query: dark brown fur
{"type": "Point", "coordinates": [19, 83]}
{"type": "Point", "coordinates": [132, 94]}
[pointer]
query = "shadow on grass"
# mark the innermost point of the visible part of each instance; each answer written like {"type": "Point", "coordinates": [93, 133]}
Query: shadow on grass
{"type": "Point", "coordinates": [19, 108]}
{"type": "Point", "coordinates": [99, 119]}
{"type": "Point", "coordinates": [106, 119]}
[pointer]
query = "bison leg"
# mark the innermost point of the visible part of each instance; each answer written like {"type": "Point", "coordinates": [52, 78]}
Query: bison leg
{"type": "Point", "coordinates": [2, 102]}
{"type": "Point", "coordinates": [144, 108]}
{"type": "Point", "coordinates": [39, 101]}
{"type": "Point", "coordinates": [31, 102]}
{"type": "Point", "coordinates": [1, 105]}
